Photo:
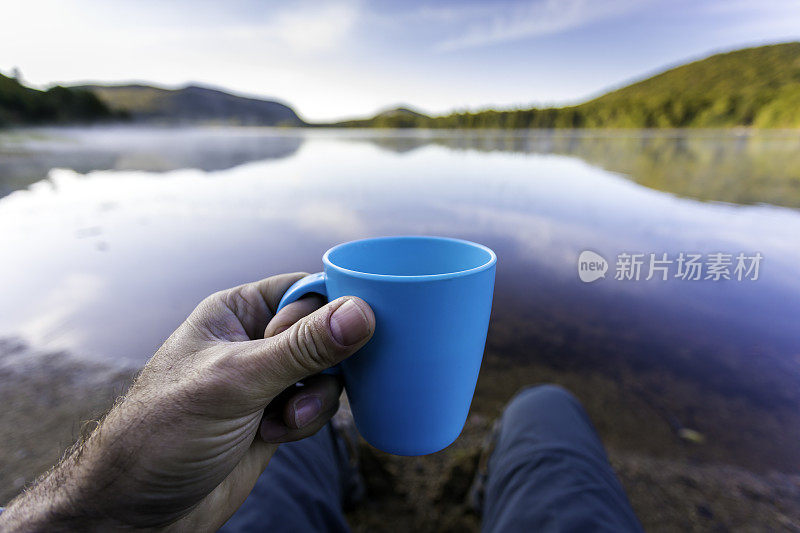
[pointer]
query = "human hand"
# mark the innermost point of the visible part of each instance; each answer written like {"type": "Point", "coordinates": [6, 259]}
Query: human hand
{"type": "Point", "coordinates": [180, 451]}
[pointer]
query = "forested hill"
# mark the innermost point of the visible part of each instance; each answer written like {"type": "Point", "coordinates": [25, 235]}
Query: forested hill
{"type": "Point", "coordinates": [192, 105]}
{"type": "Point", "coordinates": [757, 87]}
{"type": "Point", "coordinates": [754, 87]}
{"type": "Point", "coordinates": [23, 105]}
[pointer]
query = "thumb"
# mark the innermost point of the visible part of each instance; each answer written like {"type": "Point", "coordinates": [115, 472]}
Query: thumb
{"type": "Point", "coordinates": [314, 343]}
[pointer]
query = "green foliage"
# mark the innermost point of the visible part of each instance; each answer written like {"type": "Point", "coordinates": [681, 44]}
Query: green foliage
{"type": "Point", "coordinates": [757, 87]}
{"type": "Point", "coordinates": [193, 105]}
{"type": "Point", "coordinates": [394, 118]}
{"type": "Point", "coordinates": [23, 105]}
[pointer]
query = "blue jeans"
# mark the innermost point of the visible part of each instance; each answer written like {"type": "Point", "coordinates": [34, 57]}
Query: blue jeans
{"type": "Point", "coordinates": [548, 472]}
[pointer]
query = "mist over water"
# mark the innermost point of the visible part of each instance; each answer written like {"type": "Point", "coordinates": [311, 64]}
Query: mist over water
{"type": "Point", "coordinates": [112, 236]}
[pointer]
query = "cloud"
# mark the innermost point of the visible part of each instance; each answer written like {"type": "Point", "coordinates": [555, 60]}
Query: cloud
{"type": "Point", "coordinates": [314, 27]}
{"type": "Point", "coordinates": [766, 20]}
{"type": "Point", "coordinates": [763, 7]}
{"type": "Point", "coordinates": [526, 20]}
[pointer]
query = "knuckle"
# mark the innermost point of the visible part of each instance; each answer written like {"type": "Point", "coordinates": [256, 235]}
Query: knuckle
{"type": "Point", "coordinates": [276, 327]}
{"type": "Point", "coordinates": [241, 301]}
{"type": "Point", "coordinates": [308, 347]}
{"type": "Point", "coordinates": [216, 298]}
{"type": "Point", "coordinates": [215, 317]}
{"type": "Point", "coordinates": [210, 307]}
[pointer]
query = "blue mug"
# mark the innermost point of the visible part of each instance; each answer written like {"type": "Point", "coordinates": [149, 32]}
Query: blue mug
{"type": "Point", "coordinates": [410, 387]}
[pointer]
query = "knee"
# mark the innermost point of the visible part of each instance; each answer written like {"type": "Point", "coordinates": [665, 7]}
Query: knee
{"type": "Point", "coordinates": [546, 396]}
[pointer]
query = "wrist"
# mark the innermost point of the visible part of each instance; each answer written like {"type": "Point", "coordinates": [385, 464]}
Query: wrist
{"type": "Point", "coordinates": [53, 503]}
{"type": "Point", "coordinates": [86, 491]}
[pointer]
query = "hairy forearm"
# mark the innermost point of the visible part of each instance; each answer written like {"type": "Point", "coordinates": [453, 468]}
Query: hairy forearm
{"type": "Point", "coordinates": [82, 492]}
{"type": "Point", "coordinates": [107, 483]}
{"type": "Point", "coordinates": [53, 503]}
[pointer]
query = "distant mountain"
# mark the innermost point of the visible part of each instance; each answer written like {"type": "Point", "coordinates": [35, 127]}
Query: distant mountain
{"type": "Point", "coordinates": [398, 117]}
{"type": "Point", "coordinates": [757, 87]}
{"type": "Point", "coordinates": [23, 105]}
{"type": "Point", "coordinates": [193, 104]}
{"type": "Point", "coordinates": [754, 87]}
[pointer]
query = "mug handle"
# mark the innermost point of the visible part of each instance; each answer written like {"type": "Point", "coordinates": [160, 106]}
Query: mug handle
{"type": "Point", "coordinates": [312, 283]}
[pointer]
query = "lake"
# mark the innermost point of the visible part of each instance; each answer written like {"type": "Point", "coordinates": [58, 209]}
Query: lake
{"type": "Point", "coordinates": [111, 236]}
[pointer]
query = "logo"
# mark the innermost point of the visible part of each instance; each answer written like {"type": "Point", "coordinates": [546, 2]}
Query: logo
{"type": "Point", "coordinates": [591, 266]}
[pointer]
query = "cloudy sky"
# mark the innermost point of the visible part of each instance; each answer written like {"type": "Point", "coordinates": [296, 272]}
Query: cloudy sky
{"type": "Point", "coordinates": [344, 58]}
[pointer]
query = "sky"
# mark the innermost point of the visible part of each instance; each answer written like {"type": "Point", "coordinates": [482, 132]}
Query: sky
{"type": "Point", "coordinates": [332, 59]}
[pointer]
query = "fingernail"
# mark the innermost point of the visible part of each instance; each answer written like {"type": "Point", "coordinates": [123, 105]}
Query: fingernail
{"type": "Point", "coordinates": [306, 409]}
{"type": "Point", "coordinates": [272, 430]}
{"type": "Point", "coordinates": [349, 324]}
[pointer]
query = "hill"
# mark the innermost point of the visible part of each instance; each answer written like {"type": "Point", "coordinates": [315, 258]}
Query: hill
{"type": "Point", "coordinates": [758, 87]}
{"type": "Point", "coordinates": [193, 104]}
{"type": "Point", "coordinates": [754, 87]}
{"type": "Point", "coordinates": [399, 117]}
{"type": "Point", "coordinates": [23, 105]}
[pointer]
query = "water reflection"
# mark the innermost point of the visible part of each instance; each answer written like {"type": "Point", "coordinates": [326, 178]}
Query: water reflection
{"type": "Point", "coordinates": [27, 156]}
{"type": "Point", "coordinates": [742, 167]}
{"type": "Point", "coordinates": [105, 263]}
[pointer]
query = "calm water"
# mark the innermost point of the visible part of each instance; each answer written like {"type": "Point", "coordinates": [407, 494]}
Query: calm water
{"type": "Point", "coordinates": [111, 237]}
